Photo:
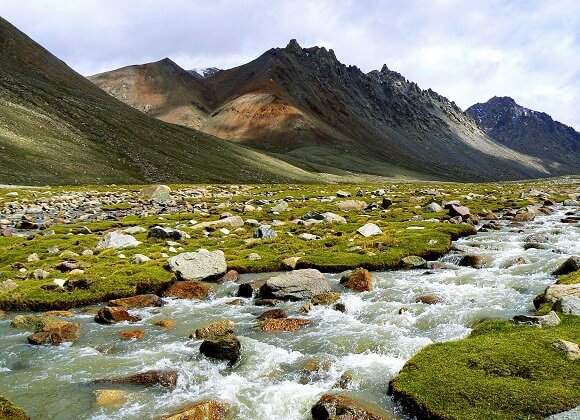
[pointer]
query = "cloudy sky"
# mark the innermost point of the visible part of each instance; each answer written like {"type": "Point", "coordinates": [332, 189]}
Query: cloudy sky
{"type": "Point", "coordinates": [466, 50]}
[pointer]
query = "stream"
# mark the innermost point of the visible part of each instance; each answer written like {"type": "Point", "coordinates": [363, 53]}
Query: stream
{"type": "Point", "coordinates": [275, 378]}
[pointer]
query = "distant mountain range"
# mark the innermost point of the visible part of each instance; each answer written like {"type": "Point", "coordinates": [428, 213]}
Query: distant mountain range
{"type": "Point", "coordinates": [291, 115]}
{"type": "Point", "coordinates": [530, 132]}
{"type": "Point", "coordinates": [56, 127]}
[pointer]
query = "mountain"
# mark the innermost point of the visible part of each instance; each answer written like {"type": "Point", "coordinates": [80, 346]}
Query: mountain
{"type": "Point", "coordinates": [56, 127]}
{"type": "Point", "coordinates": [303, 105]}
{"type": "Point", "coordinates": [530, 132]}
{"type": "Point", "coordinates": [204, 72]}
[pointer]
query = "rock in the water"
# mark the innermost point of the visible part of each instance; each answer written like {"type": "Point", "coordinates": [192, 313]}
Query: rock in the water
{"type": "Point", "coordinates": [9, 411]}
{"type": "Point", "coordinates": [369, 229]}
{"type": "Point", "coordinates": [199, 265]}
{"type": "Point", "coordinates": [265, 232]}
{"type": "Point", "coordinates": [541, 321]}
{"type": "Point", "coordinates": [347, 205]}
{"type": "Point", "coordinates": [27, 322]}
{"type": "Point", "coordinates": [360, 280]}
{"type": "Point", "coordinates": [108, 397]}
{"type": "Point", "coordinates": [334, 406]}
{"type": "Point", "coordinates": [188, 290]}
{"type": "Point", "coordinates": [139, 301]}
{"type": "Point", "coordinates": [215, 329]}
{"type": "Point", "coordinates": [568, 305]}
{"type": "Point", "coordinates": [167, 324]}
{"type": "Point", "coordinates": [164, 378]}
{"type": "Point", "coordinates": [251, 288]}
{"type": "Point", "coordinates": [204, 410]}
{"type": "Point", "coordinates": [327, 298]}
{"type": "Point", "coordinates": [524, 216]}
{"type": "Point", "coordinates": [159, 193]}
{"type": "Point", "coordinates": [225, 347]}
{"type": "Point", "coordinates": [113, 314]}
{"type": "Point", "coordinates": [230, 276]}
{"type": "Point", "coordinates": [117, 240]}
{"type": "Point", "coordinates": [295, 285]}
{"type": "Point", "coordinates": [475, 261]}
{"type": "Point", "coordinates": [132, 334]}
{"type": "Point", "coordinates": [282, 324]}
{"type": "Point", "coordinates": [571, 350]}
{"type": "Point", "coordinates": [569, 266]}
{"type": "Point", "coordinates": [414, 261]}
{"type": "Point", "coordinates": [273, 314]}
{"type": "Point", "coordinates": [428, 299]}
{"type": "Point", "coordinates": [161, 232]}
{"type": "Point", "coordinates": [56, 332]}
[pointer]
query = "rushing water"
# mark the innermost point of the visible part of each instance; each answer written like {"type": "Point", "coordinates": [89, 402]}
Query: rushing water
{"type": "Point", "coordinates": [270, 382]}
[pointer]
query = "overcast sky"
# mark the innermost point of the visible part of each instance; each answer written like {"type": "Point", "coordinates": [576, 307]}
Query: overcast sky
{"type": "Point", "coordinates": [466, 50]}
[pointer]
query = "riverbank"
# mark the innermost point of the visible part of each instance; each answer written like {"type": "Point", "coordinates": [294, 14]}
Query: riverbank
{"type": "Point", "coordinates": [308, 227]}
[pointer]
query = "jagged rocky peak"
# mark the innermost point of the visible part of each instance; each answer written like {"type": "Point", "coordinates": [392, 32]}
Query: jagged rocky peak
{"type": "Point", "coordinates": [204, 72]}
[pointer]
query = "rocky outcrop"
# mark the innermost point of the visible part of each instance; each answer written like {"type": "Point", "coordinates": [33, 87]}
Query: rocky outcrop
{"type": "Point", "coordinates": [56, 332]}
{"type": "Point", "coordinates": [199, 265]}
{"type": "Point", "coordinates": [295, 285]}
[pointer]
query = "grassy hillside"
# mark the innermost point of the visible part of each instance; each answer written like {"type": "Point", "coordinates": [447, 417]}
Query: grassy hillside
{"type": "Point", "coordinates": [56, 127]}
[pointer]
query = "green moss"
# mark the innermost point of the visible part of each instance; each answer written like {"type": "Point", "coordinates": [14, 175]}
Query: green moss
{"type": "Point", "coordinates": [572, 278]}
{"type": "Point", "coordinates": [116, 207]}
{"type": "Point", "coordinates": [500, 371]}
{"type": "Point", "coordinates": [9, 411]}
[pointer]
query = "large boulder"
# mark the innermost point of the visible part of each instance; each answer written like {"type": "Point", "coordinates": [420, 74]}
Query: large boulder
{"type": "Point", "coordinates": [555, 292]}
{"type": "Point", "coordinates": [414, 261]}
{"type": "Point", "coordinates": [199, 265]}
{"type": "Point", "coordinates": [360, 280]}
{"type": "Point", "coordinates": [569, 266]}
{"type": "Point", "coordinates": [226, 347]}
{"type": "Point", "coordinates": [568, 305]}
{"type": "Point", "coordinates": [164, 378]}
{"type": "Point", "coordinates": [273, 314]}
{"type": "Point", "coordinates": [540, 321]}
{"type": "Point", "coordinates": [295, 285]}
{"type": "Point", "coordinates": [56, 332]}
{"type": "Point", "coordinates": [116, 240]}
{"type": "Point", "coordinates": [139, 301]}
{"type": "Point", "coordinates": [335, 406]}
{"type": "Point", "coordinates": [457, 210]}
{"type": "Point", "coordinates": [204, 410]}
{"type": "Point", "coordinates": [475, 261]}
{"type": "Point", "coordinates": [114, 314]}
{"type": "Point", "coordinates": [159, 193]}
{"type": "Point", "coordinates": [188, 290]}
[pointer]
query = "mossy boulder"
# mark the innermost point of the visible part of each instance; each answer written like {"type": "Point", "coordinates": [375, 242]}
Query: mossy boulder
{"type": "Point", "coordinates": [9, 411]}
{"type": "Point", "coordinates": [215, 329]}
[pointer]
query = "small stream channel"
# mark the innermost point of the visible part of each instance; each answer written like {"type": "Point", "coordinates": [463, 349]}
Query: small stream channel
{"type": "Point", "coordinates": [272, 380]}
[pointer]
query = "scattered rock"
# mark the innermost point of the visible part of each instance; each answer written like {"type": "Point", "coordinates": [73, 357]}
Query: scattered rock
{"type": "Point", "coordinates": [188, 290]}
{"type": "Point", "coordinates": [225, 347]}
{"type": "Point", "coordinates": [475, 261]}
{"type": "Point", "coordinates": [330, 218]}
{"type": "Point", "coordinates": [571, 350]}
{"type": "Point", "coordinates": [569, 266]}
{"type": "Point", "coordinates": [159, 193]}
{"type": "Point", "coordinates": [568, 305]}
{"type": "Point", "coordinates": [161, 232]}
{"type": "Point", "coordinates": [432, 208]}
{"type": "Point", "coordinates": [327, 298]}
{"type": "Point", "coordinates": [307, 307]}
{"type": "Point", "coordinates": [27, 322]}
{"type": "Point", "coordinates": [167, 324]}
{"type": "Point", "coordinates": [133, 230]}
{"type": "Point", "coordinates": [112, 315]}
{"type": "Point", "coordinates": [360, 280]}
{"type": "Point", "coordinates": [108, 397]}
{"type": "Point", "coordinates": [139, 259]}
{"type": "Point", "coordinates": [282, 324]}
{"type": "Point", "coordinates": [215, 329]}
{"type": "Point", "coordinates": [291, 262]}
{"type": "Point", "coordinates": [117, 240]}
{"type": "Point", "coordinates": [132, 334]}
{"type": "Point", "coordinates": [280, 207]}
{"type": "Point", "coordinates": [457, 210]}
{"type": "Point", "coordinates": [555, 292]}
{"type": "Point", "coordinates": [139, 301]}
{"type": "Point", "coordinates": [542, 321]}
{"type": "Point", "coordinates": [251, 288]}
{"type": "Point", "coordinates": [514, 261]}
{"type": "Point", "coordinates": [343, 194]}
{"type": "Point", "coordinates": [295, 285]}
{"type": "Point", "coordinates": [369, 229]}
{"type": "Point", "coordinates": [204, 410]}
{"type": "Point", "coordinates": [265, 232]}
{"type": "Point", "coordinates": [164, 378]}
{"type": "Point", "coordinates": [56, 332]}
{"type": "Point", "coordinates": [334, 406]}
{"type": "Point", "coordinates": [199, 265]}
{"type": "Point", "coordinates": [7, 286]}
{"type": "Point", "coordinates": [273, 314]}
{"type": "Point", "coordinates": [414, 261]}
{"type": "Point", "coordinates": [428, 299]}
{"type": "Point", "coordinates": [386, 203]}
{"type": "Point", "coordinates": [253, 257]}
{"type": "Point", "coordinates": [230, 276]}
{"type": "Point", "coordinates": [67, 266]}
{"type": "Point", "coordinates": [33, 258]}
{"type": "Point", "coordinates": [308, 237]}
{"type": "Point", "coordinates": [348, 205]}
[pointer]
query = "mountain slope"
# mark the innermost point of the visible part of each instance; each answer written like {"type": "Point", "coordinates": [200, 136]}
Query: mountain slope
{"type": "Point", "coordinates": [57, 127]}
{"type": "Point", "coordinates": [308, 108]}
{"type": "Point", "coordinates": [531, 132]}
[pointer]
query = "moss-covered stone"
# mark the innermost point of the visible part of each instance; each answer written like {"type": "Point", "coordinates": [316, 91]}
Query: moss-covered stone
{"type": "Point", "coordinates": [9, 411]}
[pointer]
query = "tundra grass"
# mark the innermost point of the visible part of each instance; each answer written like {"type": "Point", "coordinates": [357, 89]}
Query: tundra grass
{"type": "Point", "coordinates": [501, 371]}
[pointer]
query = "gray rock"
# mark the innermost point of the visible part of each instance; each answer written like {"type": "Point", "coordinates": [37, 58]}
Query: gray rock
{"type": "Point", "coordinates": [264, 232]}
{"type": "Point", "coordinates": [348, 205]}
{"type": "Point", "coordinates": [568, 305]}
{"type": "Point", "coordinates": [458, 210]}
{"type": "Point", "coordinates": [159, 193]}
{"type": "Point", "coordinates": [133, 230]}
{"type": "Point", "coordinates": [370, 229]}
{"type": "Point", "coordinates": [39, 274]}
{"type": "Point", "coordinates": [329, 217]}
{"type": "Point", "coordinates": [308, 237]}
{"type": "Point", "coordinates": [7, 286]}
{"type": "Point", "coordinates": [570, 203]}
{"type": "Point", "coordinates": [569, 266]}
{"type": "Point", "coordinates": [414, 261]}
{"type": "Point", "coordinates": [573, 414]}
{"type": "Point", "coordinates": [139, 259]}
{"type": "Point", "coordinates": [199, 265]}
{"type": "Point", "coordinates": [541, 321]}
{"type": "Point", "coordinates": [280, 207]}
{"type": "Point", "coordinates": [167, 233]}
{"type": "Point", "coordinates": [432, 208]}
{"type": "Point", "coordinates": [571, 350]}
{"type": "Point", "coordinates": [116, 240]}
{"type": "Point", "coordinates": [295, 285]}
{"type": "Point", "coordinates": [343, 194]}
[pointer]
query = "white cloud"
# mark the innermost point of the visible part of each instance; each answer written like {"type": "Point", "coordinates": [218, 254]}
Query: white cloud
{"type": "Point", "coordinates": [468, 51]}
